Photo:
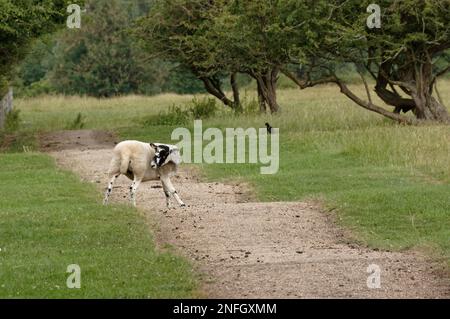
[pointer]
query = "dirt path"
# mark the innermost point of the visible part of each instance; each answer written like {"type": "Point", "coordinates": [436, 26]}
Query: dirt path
{"type": "Point", "coordinates": [254, 250]}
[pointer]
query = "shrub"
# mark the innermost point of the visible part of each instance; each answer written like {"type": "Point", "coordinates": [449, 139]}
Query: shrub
{"type": "Point", "coordinates": [77, 124]}
{"type": "Point", "coordinates": [174, 116]}
{"type": "Point", "coordinates": [203, 108]}
{"type": "Point", "coordinates": [12, 122]}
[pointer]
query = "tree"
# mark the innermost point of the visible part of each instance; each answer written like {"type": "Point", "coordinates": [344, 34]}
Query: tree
{"type": "Point", "coordinates": [68, 61]}
{"type": "Point", "coordinates": [100, 59]}
{"type": "Point", "coordinates": [35, 66]}
{"type": "Point", "coordinates": [22, 21]}
{"type": "Point", "coordinates": [177, 31]}
{"type": "Point", "coordinates": [255, 37]}
{"type": "Point", "coordinates": [404, 56]}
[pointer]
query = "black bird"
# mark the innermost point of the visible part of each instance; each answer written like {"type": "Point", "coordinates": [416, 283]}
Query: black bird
{"type": "Point", "coordinates": [269, 128]}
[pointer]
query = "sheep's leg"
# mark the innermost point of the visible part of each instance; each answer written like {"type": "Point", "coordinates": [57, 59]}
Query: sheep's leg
{"type": "Point", "coordinates": [167, 193]}
{"type": "Point", "coordinates": [172, 190]}
{"type": "Point", "coordinates": [109, 189]}
{"type": "Point", "coordinates": [133, 189]}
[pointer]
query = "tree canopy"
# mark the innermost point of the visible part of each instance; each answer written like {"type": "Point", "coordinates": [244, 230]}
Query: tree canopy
{"type": "Point", "coordinates": [22, 21]}
{"type": "Point", "coordinates": [401, 56]}
{"type": "Point", "coordinates": [263, 38]}
{"type": "Point", "coordinates": [100, 59]}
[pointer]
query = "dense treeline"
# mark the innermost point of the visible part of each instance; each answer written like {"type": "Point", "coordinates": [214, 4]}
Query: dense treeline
{"type": "Point", "coordinates": [21, 21]}
{"type": "Point", "coordinates": [101, 59]}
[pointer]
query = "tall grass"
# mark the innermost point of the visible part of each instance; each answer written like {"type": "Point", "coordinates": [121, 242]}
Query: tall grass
{"type": "Point", "coordinates": [52, 113]}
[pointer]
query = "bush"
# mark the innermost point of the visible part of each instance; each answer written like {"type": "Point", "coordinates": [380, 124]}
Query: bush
{"type": "Point", "coordinates": [42, 87]}
{"type": "Point", "coordinates": [77, 124]}
{"type": "Point", "coordinates": [177, 115]}
{"type": "Point", "coordinates": [203, 108]}
{"type": "Point", "coordinates": [174, 116]}
{"type": "Point", "coordinates": [12, 122]}
{"type": "Point", "coordinates": [14, 140]}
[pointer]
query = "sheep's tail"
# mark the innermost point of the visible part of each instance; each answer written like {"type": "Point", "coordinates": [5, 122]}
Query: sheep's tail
{"type": "Point", "coordinates": [125, 163]}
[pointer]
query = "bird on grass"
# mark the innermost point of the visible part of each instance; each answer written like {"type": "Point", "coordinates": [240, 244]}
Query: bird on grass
{"type": "Point", "coordinates": [269, 128]}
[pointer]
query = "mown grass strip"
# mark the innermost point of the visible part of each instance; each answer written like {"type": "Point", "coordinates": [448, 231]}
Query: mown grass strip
{"type": "Point", "coordinates": [49, 220]}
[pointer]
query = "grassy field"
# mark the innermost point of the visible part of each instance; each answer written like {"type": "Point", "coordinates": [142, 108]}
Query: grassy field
{"type": "Point", "coordinates": [49, 220]}
{"type": "Point", "coordinates": [388, 184]}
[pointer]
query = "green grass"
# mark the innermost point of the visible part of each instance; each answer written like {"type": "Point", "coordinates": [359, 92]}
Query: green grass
{"type": "Point", "coordinates": [52, 113]}
{"type": "Point", "coordinates": [388, 184]}
{"type": "Point", "coordinates": [387, 207]}
{"type": "Point", "coordinates": [49, 220]}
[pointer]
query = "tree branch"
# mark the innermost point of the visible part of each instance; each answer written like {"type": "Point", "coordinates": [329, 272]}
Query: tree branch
{"type": "Point", "coordinates": [369, 96]}
{"type": "Point", "coordinates": [212, 89]}
{"type": "Point", "coordinates": [368, 105]}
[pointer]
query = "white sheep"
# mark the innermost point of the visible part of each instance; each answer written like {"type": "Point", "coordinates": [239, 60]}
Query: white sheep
{"type": "Point", "coordinates": [142, 162]}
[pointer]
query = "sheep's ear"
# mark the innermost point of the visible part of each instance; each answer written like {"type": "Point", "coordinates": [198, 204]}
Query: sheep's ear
{"type": "Point", "coordinates": [154, 146]}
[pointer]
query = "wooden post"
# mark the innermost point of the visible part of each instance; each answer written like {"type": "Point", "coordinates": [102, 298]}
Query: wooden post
{"type": "Point", "coordinates": [6, 106]}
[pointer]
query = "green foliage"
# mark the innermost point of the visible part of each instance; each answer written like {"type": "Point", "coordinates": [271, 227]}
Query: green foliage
{"type": "Point", "coordinates": [78, 123]}
{"type": "Point", "coordinates": [12, 122]}
{"type": "Point", "coordinates": [4, 86]}
{"type": "Point", "coordinates": [177, 31]}
{"type": "Point", "coordinates": [262, 38]}
{"type": "Point", "coordinates": [22, 21]}
{"type": "Point", "coordinates": [10, 136]}
{"type": "Point", "coordinates": [401, 56]}
{"type": "Point", "coordinates": [203, 108]}
{"type": "Point", "coordinates": [38, 62]}
{"type": "Point", "coordinates": [174, 30]}
{"type": "Point", "coordinates": [175, 115]}
{"type": "Point", "coordinates": [41, 87]}
{"type": "Point", "coordinates": [18, 141]}
{"type": "Point", "coordinates": [101, 60]}
{"type": "Point", "coordinates": [180, 80]}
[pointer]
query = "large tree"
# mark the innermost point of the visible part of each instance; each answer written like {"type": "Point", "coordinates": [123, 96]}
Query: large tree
{"type": "Point", "coordinates": [179, 31]}
{"type": "Point", "coordinates": [256, 37]}
{"type": "Point", "coordinates": [22, 21]}
{"type": "Point", "coordinates": [405, 56]}
{"type": "Point", "coordinates": [220, 37]}
{"type": "Point", "coordinates": [100, 59]}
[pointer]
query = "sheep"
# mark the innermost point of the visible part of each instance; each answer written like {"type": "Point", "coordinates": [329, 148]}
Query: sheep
{"type": "Point", "coordinates": [142, 162]}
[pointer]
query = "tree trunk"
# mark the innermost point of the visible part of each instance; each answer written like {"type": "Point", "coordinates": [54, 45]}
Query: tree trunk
{"type": "Point", "coordinates": [368, 105]}
{"type": "Point", "coordinates": [416, 80]}
{"type": "Point", "coordinates": [6, 106]}
{"type": "Point", "coordinates": [235, 88]}
{"type": "Point", "coordinates": [427, 107]}
{"type": "Point", "coordinates": [261, 100]}
{"type": "Point", "coordinates": [213, 87]}
{"type": "Point", "coordinates": [267, 87]}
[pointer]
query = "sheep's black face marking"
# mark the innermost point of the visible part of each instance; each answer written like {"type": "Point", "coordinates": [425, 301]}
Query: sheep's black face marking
{"type": "Point", "coordinates": [161, 154]}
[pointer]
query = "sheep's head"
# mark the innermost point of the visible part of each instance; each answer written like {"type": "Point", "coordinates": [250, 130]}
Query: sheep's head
{"type": "Point", "coordinates": [162, 152]}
